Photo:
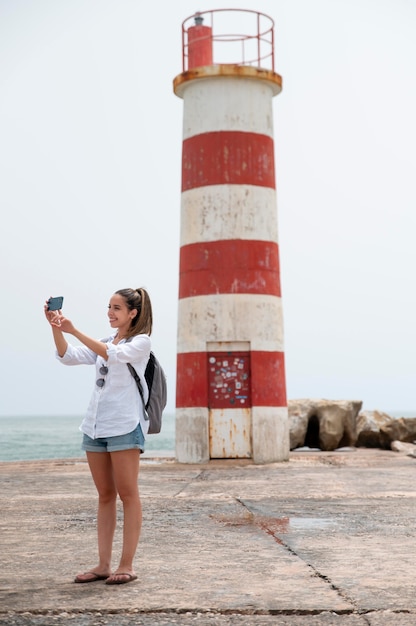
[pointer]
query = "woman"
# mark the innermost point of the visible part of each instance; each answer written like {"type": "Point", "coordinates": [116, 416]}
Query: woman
{"type": "Point", "coordinates": [114, 426]}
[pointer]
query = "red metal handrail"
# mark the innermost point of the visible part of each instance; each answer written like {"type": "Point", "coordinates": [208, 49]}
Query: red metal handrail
{"type": "Point", "coordinates": [257, 46]}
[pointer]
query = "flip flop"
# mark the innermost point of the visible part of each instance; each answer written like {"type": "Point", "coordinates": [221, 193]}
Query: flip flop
{"type": "Point", "coordinates": [93, 577]}
{"type": "Point", "coordinates": [112, 580]}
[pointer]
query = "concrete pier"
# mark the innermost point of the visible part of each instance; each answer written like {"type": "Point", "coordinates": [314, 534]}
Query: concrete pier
{"type": "Point", "coordinates": [322, 539]}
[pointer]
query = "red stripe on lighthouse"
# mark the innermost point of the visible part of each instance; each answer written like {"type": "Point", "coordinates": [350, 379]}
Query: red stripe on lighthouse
{"type": "Point", "coordinates": [268, 381]}
{"type": "Point", "coordinates": [268, 386]}
{"type": "Point", "coordinates": [191, 379]}
{"type": "Point", "coordinates": [229, 266]}
{"type": "Point", "coordinates": [228, 157]}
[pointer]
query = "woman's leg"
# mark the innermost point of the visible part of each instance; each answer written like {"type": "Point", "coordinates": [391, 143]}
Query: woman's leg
{"type": "Point", "coordinates": [102, 473]}
{"type": "Point", "coordinates": [126, 473]}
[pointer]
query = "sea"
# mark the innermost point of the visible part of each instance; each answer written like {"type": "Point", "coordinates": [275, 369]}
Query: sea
{"type": "Point", "coordinates": [40, 438]}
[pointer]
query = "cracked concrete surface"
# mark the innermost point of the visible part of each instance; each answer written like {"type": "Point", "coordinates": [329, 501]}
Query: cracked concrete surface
{"type": "Point", "coordinates": [325, 538]}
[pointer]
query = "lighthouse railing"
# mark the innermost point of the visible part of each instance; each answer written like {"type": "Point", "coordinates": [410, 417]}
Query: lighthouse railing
{"type": "Point", "coordinates": [251, 45]}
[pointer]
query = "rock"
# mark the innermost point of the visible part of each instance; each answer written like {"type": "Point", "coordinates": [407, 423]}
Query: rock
{"type": "Point", "coordinates": [327, 424]}
{"type": "Point", "coordinates": [369, 424]}
{"type": "Point", "coordinates": [401, 446]}
{"type": "Point", "coordinates": [401, 429]}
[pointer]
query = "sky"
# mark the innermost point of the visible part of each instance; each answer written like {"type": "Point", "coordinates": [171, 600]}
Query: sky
{"type": "Point", "coordinates": [90, 179]}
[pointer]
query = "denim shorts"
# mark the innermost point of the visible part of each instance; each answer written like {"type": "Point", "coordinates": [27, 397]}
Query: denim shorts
{"type": "Point", "coordinates": [130, 441]}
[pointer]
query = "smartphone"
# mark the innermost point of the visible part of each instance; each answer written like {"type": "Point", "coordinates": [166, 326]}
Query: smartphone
{"type": "Point", "coordinates": [55, 304]}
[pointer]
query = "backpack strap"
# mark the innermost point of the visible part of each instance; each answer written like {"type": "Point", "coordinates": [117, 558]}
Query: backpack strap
{"type": "Point", "coordinates": [139, 387]}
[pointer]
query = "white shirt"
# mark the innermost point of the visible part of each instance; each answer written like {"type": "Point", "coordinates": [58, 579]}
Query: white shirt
{"type": "Point", "coordinates": [116, 408]}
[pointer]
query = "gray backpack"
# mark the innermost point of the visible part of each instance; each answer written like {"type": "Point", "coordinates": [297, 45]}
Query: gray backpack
{"type": "Point", "coordinates": [156, 383]}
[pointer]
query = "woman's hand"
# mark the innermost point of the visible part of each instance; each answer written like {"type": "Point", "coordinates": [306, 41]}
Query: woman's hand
{"type": "Point", "coordinates": [59, 321]}
{"type": "Point", "coordinates": [64, 324]}
{"type": "Point", "coordinates": [51, 316]}
{"type": "Point", "coordinates": [55, 320]}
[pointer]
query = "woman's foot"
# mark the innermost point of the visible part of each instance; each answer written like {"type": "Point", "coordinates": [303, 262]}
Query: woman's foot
{"type": "Point", "coordinates": [120, 578]}
{"type": "Point", "coordinates": [90, 577]}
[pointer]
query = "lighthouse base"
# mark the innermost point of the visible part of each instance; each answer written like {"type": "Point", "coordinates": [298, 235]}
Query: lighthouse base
{"type": "Point", "coordinates": [270, 434]}
{"type": "Point", "coordinates": [269, 441]}
{"type": "Point", "coordinates": [192, 435]}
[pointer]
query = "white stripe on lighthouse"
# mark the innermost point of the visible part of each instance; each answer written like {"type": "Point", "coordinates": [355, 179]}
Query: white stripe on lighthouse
{"type": "Point", "coordinates": [233, 104]}
{"type": "Point", "coordinates": [218, 212]}
{"type": "Point", "coordinates": [238, 314]}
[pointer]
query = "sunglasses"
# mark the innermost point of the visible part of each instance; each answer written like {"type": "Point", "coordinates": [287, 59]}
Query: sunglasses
{"type": "Point", "coordinates": [101, 381]}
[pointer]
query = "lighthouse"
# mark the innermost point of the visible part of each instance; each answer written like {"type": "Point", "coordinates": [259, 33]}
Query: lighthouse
{"type": "Point", "coordinates": [231, 388]}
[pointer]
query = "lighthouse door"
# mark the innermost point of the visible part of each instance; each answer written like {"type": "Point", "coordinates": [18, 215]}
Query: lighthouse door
{"type": "Point", "coordinates": [229, 399]}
